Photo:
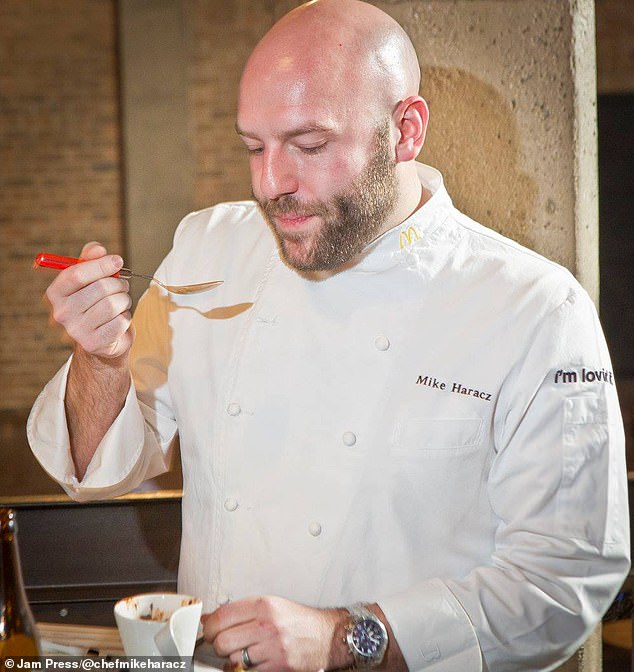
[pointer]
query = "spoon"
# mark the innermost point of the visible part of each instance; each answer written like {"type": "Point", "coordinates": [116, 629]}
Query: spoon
{"type": "Point", "coordinates": [45, 260]}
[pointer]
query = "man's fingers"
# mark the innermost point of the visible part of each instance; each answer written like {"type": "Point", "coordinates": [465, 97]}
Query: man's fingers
{"type": "Point", "coordinates": [74, 278]}
{"type": "Point", "coordinates": [92, 305]}
{"type": "Point", "coordinates": [107, 309]}
{"type": "Point", "coordinates": [81, 301]}
{"type": "Point", "coordinates": [238, 637]}
{"type": "Point", "coordinates": [229, 615]}
{"type": "Point", "coordinates": [104, 323]}
{"type": "Point", "coordinates": [109, 334]}
{"type": "Point", "coordinates": [92, 250]}
{"type": "Point", "coordinates": [257, 656]}
{"type": "Point", "coordinates": [277, 634]}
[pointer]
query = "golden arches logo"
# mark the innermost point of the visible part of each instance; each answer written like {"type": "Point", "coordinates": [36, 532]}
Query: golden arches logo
{"type": "Point", "coordinates": [408, 237]}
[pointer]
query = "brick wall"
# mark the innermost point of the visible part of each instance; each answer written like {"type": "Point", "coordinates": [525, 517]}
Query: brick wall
{"type": "Point", "coordinates": [59, 167]}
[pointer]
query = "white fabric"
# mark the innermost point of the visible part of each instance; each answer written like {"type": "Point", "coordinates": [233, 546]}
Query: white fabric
{"type": "Point", "coordinates": [419, 430]}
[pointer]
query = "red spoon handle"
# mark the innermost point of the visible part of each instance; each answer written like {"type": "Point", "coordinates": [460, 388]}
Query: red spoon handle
{"type": "Point", "coordinates": [46, 260]}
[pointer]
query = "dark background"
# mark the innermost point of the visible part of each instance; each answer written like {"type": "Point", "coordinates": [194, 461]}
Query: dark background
{"type": "Point", "coordinates": [616, 231]}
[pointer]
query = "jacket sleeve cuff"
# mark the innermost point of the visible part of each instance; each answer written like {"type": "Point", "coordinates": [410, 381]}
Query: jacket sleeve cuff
{"type": "Point", "coordinates": [432, 629]}
{"type": "Point", "coordinates": [112, 469]}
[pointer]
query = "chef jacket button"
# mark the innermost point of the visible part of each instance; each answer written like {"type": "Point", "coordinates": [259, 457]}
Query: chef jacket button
{"type": "Point", "coordinates": [349, 438]}
{"type": "Point", "coordinates": [314, 529]}
{"type": "Point", "coordinates": [234, 409]}
{"type": "Point", "coordinates": [231, 504]}
{"type": "Point", "coordinates": [382, 343]}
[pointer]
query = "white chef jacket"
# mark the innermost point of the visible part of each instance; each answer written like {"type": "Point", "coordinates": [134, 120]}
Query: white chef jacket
{"type": "Point", "coordinates": [435, 428]}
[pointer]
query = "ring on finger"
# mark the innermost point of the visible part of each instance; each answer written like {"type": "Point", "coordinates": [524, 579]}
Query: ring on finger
{"type": "Point", "coordinates": [246, 661]}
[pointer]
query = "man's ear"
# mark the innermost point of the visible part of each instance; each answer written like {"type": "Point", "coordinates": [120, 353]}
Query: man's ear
{"type": "Point", "coordinates": [411, 117]}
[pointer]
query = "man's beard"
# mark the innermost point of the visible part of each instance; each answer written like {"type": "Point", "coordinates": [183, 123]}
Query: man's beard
{"type": "Point", "coordinates": [349, 220]}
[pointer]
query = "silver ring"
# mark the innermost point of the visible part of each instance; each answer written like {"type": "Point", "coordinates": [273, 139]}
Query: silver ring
{"type": "Point", "coordinates": [246, 661]}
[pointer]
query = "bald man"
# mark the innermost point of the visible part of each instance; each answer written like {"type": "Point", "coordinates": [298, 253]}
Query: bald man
{"type": "Point", "coordinates": [400, 436]}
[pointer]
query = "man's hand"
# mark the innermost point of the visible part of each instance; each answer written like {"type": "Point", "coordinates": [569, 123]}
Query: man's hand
{"type": "Point", "coordinates": [92, 306]}
{"type": "Point", "coordinates": [94, 309]}
{"type": "Point", "coordinates": [279, 635]}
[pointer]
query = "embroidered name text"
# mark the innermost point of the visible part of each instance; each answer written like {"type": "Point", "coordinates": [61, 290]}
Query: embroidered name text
{"type": "Point", "coordinates": [461, 389]}
{"type": "Point", "coordinates": [456, 388]}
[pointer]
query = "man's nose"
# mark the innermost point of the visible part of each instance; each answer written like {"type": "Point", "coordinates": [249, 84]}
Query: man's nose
{"type": "Point", "coordinates": [277, 176]}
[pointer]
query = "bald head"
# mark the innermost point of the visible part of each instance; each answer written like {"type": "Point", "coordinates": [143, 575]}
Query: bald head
{"type": "Point", "coordinates": [330, 114]}
{"type": "Point", "coordinates": [334, 46]}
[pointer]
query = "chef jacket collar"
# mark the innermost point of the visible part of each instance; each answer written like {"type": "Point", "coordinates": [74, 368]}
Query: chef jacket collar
{"type": "Point", "coordinates": [397, 244]}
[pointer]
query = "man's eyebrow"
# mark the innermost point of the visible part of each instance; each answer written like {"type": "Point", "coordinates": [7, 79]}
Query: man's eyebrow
{"type": "Point", "coordinates": [302, 130]}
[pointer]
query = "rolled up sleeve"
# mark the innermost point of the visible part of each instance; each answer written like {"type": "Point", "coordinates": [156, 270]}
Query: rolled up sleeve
{"type": "Point", "coordinates": [138, 445]}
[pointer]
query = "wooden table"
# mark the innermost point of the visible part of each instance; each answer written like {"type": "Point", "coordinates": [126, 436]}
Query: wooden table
{"type": "Point", "coordinates": [96, 637]}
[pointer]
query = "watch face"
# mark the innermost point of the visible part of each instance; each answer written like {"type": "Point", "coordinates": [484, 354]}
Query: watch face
{"type": "Point", "coordinates": [367, 637]}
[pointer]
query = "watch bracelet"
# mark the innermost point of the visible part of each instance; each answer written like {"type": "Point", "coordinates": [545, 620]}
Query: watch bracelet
{"type": "Point", "coordinates": [359, 611]}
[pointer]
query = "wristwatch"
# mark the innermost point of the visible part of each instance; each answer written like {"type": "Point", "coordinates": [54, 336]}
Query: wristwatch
{"type": "Point", "coordinates": [366, 637]}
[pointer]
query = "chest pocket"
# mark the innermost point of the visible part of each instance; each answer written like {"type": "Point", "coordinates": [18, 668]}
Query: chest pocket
{"type": "Point", "coordinates": [429, 438]}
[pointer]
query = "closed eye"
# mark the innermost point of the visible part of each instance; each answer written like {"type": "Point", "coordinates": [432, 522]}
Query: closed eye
{"type": "Point", "coordinates": [313, 149]}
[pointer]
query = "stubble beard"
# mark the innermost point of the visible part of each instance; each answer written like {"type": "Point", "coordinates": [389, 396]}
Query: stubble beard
{"type": "Point", "coordinates": [349, 221]}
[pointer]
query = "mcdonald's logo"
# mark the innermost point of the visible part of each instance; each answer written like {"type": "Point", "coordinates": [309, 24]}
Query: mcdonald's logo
{"type": "Point", "coordinates": [408, 237]}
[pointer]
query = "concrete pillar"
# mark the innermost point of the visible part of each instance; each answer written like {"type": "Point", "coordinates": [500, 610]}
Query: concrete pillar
{"type": "Point", "coordinates": [158, 175]}
{"type": "Point", "coordinates": [512, 89]}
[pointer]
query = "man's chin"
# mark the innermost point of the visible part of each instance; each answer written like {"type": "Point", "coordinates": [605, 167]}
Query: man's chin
{"type": "Point", "coordinates": [296, 254]}
{"type": "Point", "coordinates": [304, 261]}
{"type": "Point", "coordinates": [300, 250]}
